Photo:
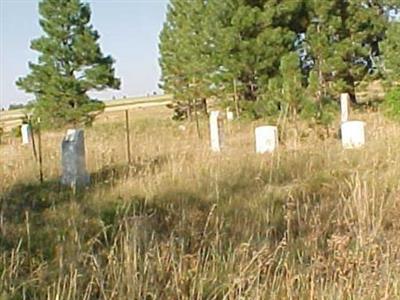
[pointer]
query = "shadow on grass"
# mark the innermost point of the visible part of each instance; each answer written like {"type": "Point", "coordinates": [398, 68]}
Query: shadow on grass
{"type": "Point", "coordinates": [37, 197]}
{"type": "Point", "coordinates": [42, 215]}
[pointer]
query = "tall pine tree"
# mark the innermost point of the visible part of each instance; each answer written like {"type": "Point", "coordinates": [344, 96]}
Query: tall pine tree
{"type": "Point", "coordinates": [255, 43]}
{"type": "Point", "coordinates": [343, 38]}
{"type": "Point", "coordinates": [185, 54]}
{"type": "Point", "coordinates": [215, 43]}
{"type": "Point", "coordinates": [70, 65]}
{"type": "Point", "coordinates": [391, 51]}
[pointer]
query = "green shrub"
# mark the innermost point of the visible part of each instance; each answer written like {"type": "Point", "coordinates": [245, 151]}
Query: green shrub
{"type": "Point", "coordinates": [392, 104]}
{"type": "Point", "coordinates": [16, 131]}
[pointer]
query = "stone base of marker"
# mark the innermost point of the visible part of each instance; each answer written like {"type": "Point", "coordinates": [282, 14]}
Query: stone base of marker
{"type": "Point", "coordinates": [74, 172]}
{"type": "Point", "coordinates": [25, 134]}
{"type": "Point", "coordinates": [353, 134]}
{"type": "Point", "coordinates": [266, 139]}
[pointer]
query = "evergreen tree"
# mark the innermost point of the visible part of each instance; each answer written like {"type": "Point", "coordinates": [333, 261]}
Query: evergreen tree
{"type": "Point", "coordinates": [292, 89]}
{"type": "Point", "coordinates": [70, 65]}
{"type": "Point", "coordinates": [173, 77]}
{"type": "Point", "coordinates": [185, 54]}
{"type": "Point", "coordinates": [281, 54]}
{"type": "Point", "coordinates": [214, 43]}
{"type": "Point", "coordinates": [343, 40]}
{"type": "Point", "coordinates": [234, 37]}
{"type": "Point", "coordinates": [250, 39]}
{"type": "Point", "coordinates": [281, 82]}
{"type": "Point", "coordinates": [391, 51]}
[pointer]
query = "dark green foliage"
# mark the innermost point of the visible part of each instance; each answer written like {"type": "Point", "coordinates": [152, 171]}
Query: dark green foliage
{"type": "Point", "coordinates": [391, 50]}
{"type": "Point", "coordinates": [392, 103]}
{"type": "Point", "coordinates": [185, 56]}
{"type": "Point", "coordinates": [207, 45]}
{"type": "Point", "coordinates": [292, 89]}
{"type": "Point", "coordinates": [343, 40]}
{"type": "Point", "coordinates": [16, 131]}
{"type": "Point", "coordinates": [70, 65]}
{"type": "Point", "coordinates": [287, 57]}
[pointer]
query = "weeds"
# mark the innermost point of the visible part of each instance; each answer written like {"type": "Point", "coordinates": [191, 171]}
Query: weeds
{"type": "Point", "coordinates": [313, 222]}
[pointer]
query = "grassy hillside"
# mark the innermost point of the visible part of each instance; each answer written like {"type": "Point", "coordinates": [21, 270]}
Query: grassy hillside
{"type": "Point", "coordinates": [311, 221]}
{"type": "Point", "coordinates": [11, 119]}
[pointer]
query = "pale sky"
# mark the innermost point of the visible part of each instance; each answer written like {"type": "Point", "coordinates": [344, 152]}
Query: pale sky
{"type": "Point", "coordinates": [128, 30]}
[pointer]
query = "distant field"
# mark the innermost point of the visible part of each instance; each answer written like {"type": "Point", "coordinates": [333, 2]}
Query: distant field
{"type": "Point", "coordinates": [13, 118]}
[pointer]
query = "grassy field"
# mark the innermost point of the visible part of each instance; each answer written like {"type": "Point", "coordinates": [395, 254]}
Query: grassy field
{"type": "Point", "coordinates": [312, 221]}
{"type": "Point", "coordinates": [11, 119]}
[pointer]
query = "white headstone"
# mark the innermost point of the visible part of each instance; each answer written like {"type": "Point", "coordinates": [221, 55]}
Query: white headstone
{"type": "Point", "coordinates": [74, 172]}
{"type": "Point", "coordinates": [25, 134]}
{"type": "Point", "coordinates": [216, 133]}
{"type": "Point", "coordinates": [353, 134]}
{"type": "Point", "coordinates": [266, 139]}
{"type": "Point", "coordinates": [229, 115]}
{"type": "Point", "coordinates": [344, 107]}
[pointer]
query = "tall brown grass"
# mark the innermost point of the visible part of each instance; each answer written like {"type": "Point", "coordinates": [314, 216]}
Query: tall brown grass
{"type": "Point", "coordinates": [311, 221]}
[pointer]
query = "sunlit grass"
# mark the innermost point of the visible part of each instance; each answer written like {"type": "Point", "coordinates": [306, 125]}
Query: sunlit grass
{"type": "Point", "coordinates": [311, 221]}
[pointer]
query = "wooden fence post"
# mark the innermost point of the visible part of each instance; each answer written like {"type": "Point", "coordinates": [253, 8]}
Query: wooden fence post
{"type": "Point", "coordinates": [40, 152]}
{"type": "Point", "coordinates": [128, 139]}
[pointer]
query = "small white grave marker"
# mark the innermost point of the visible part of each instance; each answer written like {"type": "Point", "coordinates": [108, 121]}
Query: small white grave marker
{"type": "Point", "coordinates": [266, 139]}
{"type": "Point", "coordinates": [74, 172]}
{"type": "Point", "coordinates": [344, 107]}
{"type": "Point", "coordinates": [216, 133]}
{"type": "Point", "coordinates": [229, 115]}
{"type": "Point", "coordinates": [353, 134]}
{"type": "Point", "coordinates": [25, 134]}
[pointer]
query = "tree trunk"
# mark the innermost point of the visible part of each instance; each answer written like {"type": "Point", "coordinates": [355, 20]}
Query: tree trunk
{"type": "Point", "coordinates": [205, 108]}
{"type": "Point", "coordinates": [351, 88]}
{"type": "Point", "coordinates": [196, 117]}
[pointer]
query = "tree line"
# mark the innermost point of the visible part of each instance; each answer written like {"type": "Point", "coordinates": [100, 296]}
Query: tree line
{"type": "Point", "coordinates": [279, 56]}
{"type": "Point", "coordinates": [273, 57]}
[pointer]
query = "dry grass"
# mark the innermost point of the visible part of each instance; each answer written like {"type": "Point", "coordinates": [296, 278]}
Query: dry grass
{"type": "Point", "coordinates": [311, 221]}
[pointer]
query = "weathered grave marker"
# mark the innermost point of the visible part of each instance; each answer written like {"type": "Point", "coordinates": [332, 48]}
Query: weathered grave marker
{"type": "Point", "coordinates": [25, 134]}
{"type": "Point", "coordinates": [229, 115]}
{"type": "Point", "coordinates": [344, 107]}
{"type": "Point", "coordinates": [74, 172]}
{"type": "Point", "coordinates": [216, 131]}
{"type": "Point", "coordinates": [266, 139]}
{"type": "Point", "coordinates": [353, 134]}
